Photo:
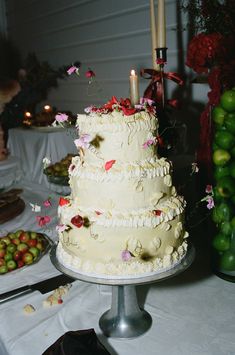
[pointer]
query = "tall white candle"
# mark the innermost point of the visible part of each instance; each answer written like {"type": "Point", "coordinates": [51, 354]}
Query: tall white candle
{"type": "Point", "coordinates": [161, 25]}
{"type": "Point", "coordinates": [134, 88]}
{"type": "Point", "coordinates": [153, 34]}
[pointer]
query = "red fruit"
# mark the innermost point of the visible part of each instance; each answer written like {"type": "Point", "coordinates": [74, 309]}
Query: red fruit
{"type": "Point", "coordinates": [17, 255]}
{"type": "Point", "coordinates": [20, 263]}
{"type": "Point", "coordinates": [27, 258]}
{"type": "Point", "coordinates": [32, 242]}
{"type": "Point", "coordinates": [24, 237]}
{"type": "Point", "coordinates": [2, 262]}
{"type": "Point", "coordinates": [22, 247]}
{"type": "Point", "coordinates": [2, 253]}
{"type": "Point", "coordinates": [15, 241]}
{"type": "Point", "coordinates": [77, 221]}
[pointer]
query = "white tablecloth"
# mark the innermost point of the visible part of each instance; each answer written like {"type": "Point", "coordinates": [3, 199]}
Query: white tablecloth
{"type": "Point", "coordinates": [193, 313]}
{"type": "Point", "coordinates": [31, 146]}
{"type": "Point", "coordinates": [10, 171]}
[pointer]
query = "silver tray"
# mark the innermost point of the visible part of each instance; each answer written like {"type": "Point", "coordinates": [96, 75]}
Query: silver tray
{"type": "Point", "coordinates": [49, 245]}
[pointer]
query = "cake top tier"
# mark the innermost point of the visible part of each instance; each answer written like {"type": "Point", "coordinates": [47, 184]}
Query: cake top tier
{"type": "Point", "coordinates": [118, 131]}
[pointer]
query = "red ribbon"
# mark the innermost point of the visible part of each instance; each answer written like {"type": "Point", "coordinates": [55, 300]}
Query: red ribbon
{"type": "Point", "coordinates": [154, 90]}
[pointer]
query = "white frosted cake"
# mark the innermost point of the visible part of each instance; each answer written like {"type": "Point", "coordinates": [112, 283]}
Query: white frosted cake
{"type": "Point", "coordinates": [123, 216]}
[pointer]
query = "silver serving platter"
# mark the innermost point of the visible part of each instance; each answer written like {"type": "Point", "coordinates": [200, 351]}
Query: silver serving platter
{"type": "Point", "coordinates": [49, 245]}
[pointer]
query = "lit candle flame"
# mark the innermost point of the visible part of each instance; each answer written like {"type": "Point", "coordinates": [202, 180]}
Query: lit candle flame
{"type": "Point", "coordinates": [47, 108]}
{"type": "Point", "coordinates": [132, 72]}
{"type": "Point", "coordinates": [28, 114]}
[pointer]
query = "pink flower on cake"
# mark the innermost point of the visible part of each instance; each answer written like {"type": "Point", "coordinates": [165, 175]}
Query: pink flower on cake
{"type": "Point", "coordinates": [83, 141]}
{"type": "Point", "coordinates": [73, 69]}
{"type": "Point", "coordinates": [88, 109]}
{"type": "Point", "coordinates": [126, 255]}
{"type": "Point", "coordinates": [109, 164]}
{"type": "Point", "coordinates": [61, 117]}
{"type": "Point", "coordinates": [61, 227]}
{"type": "Point", "coordinates": [149, 142]}
{"type": "Point", "coordinates": [63, 201]}
{"type": "Point", "coordinates": [43, 220]}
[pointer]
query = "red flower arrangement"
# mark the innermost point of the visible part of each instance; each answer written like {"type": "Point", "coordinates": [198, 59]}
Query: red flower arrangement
{"type": "Point", "coordinates": [123, 105]}
{"type": "Point", "coordinates": [204, 51]}
{"type": "Point", "coordinates": [211, 54]}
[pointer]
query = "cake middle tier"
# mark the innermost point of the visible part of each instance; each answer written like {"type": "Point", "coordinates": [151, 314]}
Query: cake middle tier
{"type": "Point", "coordinates": [124, 187]}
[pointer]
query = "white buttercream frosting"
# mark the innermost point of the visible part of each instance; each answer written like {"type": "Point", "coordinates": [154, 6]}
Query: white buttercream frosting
{"type": "Point", "coordinates": [132, 217]}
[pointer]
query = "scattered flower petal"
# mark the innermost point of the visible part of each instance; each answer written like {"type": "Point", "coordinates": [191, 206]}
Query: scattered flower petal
{"type": "Point", "coordinates": [73, 69]}
{"type": "Point", "coordinates": [209, 189]}
{"type": "Point", "coordinates": [35, 207]}
{"type": "Point", "coordinates": [210, 203]}
{"type": "Point", "coordinates": [90, 74]}
{"type": "Point", "coordinates": [109, 164]}
{"type": "Point", "coordinates": [63, 201]}
{"type": "Point", "coordinates": [43, 220]}
{"type": "Point", "coordinates": [47, 203]}
{"type": "Point", "coordinates": [195, 168]}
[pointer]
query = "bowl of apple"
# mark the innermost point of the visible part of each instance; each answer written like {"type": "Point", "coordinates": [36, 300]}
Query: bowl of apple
{"type": "Point", "coordinates": [22, 248]}
{"type": "Point", "coordinates": [57, 173]}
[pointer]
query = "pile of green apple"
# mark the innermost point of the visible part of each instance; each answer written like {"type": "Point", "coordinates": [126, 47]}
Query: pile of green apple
{"type": "Point", "coordinates": [20, 248]}
{"type": "Point", "coordinates": [60, 168]}
{"type": "Point", "coordinates": [224, 180]}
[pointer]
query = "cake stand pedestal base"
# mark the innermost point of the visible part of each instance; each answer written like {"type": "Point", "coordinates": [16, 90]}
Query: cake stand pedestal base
{"type": "Point", "coordinates": [125, 319]}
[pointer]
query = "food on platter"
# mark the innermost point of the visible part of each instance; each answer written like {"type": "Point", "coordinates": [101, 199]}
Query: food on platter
{"type": "Point", "coordinates": [124, 216]}
{"type": "Point", "coordinates": [11, 205]}
{"type": "Point", "coordinates": [57, 173]}
{"type": "Point", "coordinates": [21, 248]}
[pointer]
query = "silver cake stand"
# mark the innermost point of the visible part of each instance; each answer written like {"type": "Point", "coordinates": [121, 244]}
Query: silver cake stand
{"type": "Point", "coordinates": [126, 319]}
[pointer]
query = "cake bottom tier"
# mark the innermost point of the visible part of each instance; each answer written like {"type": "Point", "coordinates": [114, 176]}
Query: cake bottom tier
{"type": "Point", "coordinates": [123, 250]}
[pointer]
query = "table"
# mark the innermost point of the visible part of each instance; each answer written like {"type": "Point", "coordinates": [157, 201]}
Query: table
{"type": "Point", "coordinates": [32, 145]}
{"type": "Point", "coordinates": [192, 313]}
{"type": "Point", "coordinates": [10, 171]}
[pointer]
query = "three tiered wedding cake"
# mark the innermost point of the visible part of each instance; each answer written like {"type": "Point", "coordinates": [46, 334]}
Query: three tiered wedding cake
{"type": "Point", "coordinates": [123, 216]}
